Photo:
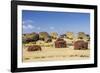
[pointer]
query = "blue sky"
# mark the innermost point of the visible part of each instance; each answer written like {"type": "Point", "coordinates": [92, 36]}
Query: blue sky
{"type": "Point", "coordinates": [60, 22]}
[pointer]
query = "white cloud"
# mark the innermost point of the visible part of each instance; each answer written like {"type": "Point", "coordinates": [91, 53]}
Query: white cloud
{"type": "Point", "coordinates": [52, 28]}
{"type": "Point", "coordinates": [25, 22]}
{"type": "Point", "coordinates": [24, 27]}
{"type": "Point", "coordinates": [30, 26]}
{"type": "Point", "coordinates": [38, 28]}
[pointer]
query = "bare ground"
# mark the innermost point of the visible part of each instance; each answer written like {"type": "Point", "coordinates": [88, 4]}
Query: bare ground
{"type": "Point", "coordinates": [51, 54]}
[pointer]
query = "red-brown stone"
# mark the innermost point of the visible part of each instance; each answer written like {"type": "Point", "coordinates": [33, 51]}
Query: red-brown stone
{"type": "Point", "coordinates": [80, 45]}
{"type": "Point", "coordinates": [60, 43]}
{"type": "Point", "coordinates": [34, 48]}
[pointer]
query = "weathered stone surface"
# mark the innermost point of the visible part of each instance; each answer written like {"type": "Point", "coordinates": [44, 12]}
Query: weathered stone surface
{"type": "Point", "coordinates": [54, 35]}
{"type": "Point", "coordinates": [34, 48]}
{"type": "Point", "coordinates": [70, 35]}
{"type": "Point", "coordinates": [60, 43]}
{"type": "Point", "coordinates": [80, 45]}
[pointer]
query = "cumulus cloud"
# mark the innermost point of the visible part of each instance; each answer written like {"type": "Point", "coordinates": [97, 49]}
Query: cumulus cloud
{"type": "Point", "coordinates": [25, 22]}
{"type": "Point", "coordinates": [28, 24]}
{"type": "Point", "coordinates": [52, 27]}
{"type": "Point", "coordinates": [38, 28]}
{"type": "Point", "coordinates": [24, 27]}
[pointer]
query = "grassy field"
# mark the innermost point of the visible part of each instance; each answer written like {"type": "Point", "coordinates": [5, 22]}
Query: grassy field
{"type": "Point", "coordinates": [50, 54]}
